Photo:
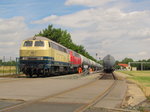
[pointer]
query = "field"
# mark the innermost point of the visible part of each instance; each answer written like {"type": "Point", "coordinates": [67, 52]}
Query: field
{"type": "Point", "coordinates": [142, 78]}
{"type": "Point", "coordinates": [7, 70]}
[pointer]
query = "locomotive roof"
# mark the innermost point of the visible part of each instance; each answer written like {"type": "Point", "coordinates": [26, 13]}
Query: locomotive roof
{"type": "Point", "coordinates": [37, 38]}
{"type": "Point", "coordinates": [44, 38]}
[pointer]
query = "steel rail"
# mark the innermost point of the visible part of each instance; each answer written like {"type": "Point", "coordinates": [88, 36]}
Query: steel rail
{"type": "Point", "coordinates": [97, 98]}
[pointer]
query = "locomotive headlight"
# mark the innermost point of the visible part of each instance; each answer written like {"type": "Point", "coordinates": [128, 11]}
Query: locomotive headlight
{"type": "Point", "coordinates": [24, 58]}
{"type": "Point", "coordinates": [40, 58]}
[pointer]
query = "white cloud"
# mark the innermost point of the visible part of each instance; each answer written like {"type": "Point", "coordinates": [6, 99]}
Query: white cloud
{"type": "Point", "coordinates": [89, 3]}
{"type": "Point", "coordinates": [8, 24]}
{"type": "Point", "coordinates": [12, 32]}
{"type": "Point", "coordinates": [45, 20]}
{"type": "Point", "coordinates": [109, 30]}
{"type": "Point", "coordinates": [143, 53]}
{"type": "Point", "coordinates": [7, 43]}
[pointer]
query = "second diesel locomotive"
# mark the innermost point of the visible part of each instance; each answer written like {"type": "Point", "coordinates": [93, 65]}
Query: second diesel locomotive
{"type": "Point", "coordinates": [42, 56]}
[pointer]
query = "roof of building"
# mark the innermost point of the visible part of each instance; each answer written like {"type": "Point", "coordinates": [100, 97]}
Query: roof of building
{"type": "Point", "coordinates": [123, 65]}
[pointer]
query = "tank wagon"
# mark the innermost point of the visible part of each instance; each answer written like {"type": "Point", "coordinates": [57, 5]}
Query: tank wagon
{"type": "Point", "coordinates": [42, 56]}
{"type": "Point", "coordinates": [108, 63]}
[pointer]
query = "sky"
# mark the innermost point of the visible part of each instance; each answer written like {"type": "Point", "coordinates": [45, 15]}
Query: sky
{"type": "Point", "coordinates": [117, 27]}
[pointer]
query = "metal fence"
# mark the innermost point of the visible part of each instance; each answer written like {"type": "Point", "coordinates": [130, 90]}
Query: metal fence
{"type": "Point", "coordinates": [8, 66]}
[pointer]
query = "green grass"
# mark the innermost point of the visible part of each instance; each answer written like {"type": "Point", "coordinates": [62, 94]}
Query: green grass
{"type": "Point", "coordinates": [137, 73]}
{"type": "Point", "coordinates": [7, 69]}
{"type": "Point", "coordinates": [127, 72]}
{"type": "Point", "coordinates": [140, 76]}
{"type": "Point", "coordinates": [143, 79]}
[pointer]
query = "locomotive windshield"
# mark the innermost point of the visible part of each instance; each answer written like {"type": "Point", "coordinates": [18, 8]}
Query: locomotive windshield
{"type": "Point", "coordinates": [28, 43]}
{"type": "Point", "coordinates": [39, 43]}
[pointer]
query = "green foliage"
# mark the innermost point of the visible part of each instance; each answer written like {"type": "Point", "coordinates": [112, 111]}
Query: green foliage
{"type": "Point", "coordinates": [148, 98]}
{"type": "Point", "coordinates": [126, 60]}
{"type": "Point", "coordinates": [137, 65]}
{"type": "Point", "coordinates": [0, 62]}
{"type": "Point", "coordinates": [8, 63]}
{"type": "Point", "coordinates": [116, 65]}
{"type": "Point", "coordinates": [148, 60]}
{"type": "Point", "coordinates": [64, 38]}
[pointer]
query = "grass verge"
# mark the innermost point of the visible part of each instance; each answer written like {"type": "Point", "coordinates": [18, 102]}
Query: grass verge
{"type": "Point", "coordinates": [142, 78]}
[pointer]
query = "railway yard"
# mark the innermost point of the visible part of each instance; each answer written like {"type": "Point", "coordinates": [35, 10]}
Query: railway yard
{"type": "Point", "coordinates": [97, 92]}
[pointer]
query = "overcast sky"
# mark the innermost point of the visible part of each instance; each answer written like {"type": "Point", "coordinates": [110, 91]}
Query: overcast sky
{"type": "Point", "coordinates": [117, 27]}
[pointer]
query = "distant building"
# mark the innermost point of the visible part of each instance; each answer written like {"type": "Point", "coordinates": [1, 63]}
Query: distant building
{"type": "Point", "coordinates": [133, 69]}
{"type": "Point", "coordinates": [127, 67]}
{"type": "Point", "coordinates": [124, 66]}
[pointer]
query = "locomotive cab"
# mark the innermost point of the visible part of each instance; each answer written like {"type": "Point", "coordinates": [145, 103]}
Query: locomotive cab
{"type": "Point", "coordinates": [34, 56]}
{"type": "Point", "coordinates": [31, 48]}
{"type": "Point", "coordinates": [42, 56]}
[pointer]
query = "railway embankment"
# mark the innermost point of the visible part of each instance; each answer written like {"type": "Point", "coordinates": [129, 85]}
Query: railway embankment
{"type": "Point", "coordinates": [138, 93]}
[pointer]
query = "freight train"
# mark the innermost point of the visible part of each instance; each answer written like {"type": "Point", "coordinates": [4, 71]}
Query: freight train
{"type": "Point", "coordinates": [108, 64]}
{"type": "Point", "coordinates": [42, 56]}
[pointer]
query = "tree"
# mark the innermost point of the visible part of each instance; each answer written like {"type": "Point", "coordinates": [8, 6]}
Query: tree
{"type": "Point", "coordinates": [148, 60]}
{"type": "Point", "coordinates": [0, 62]}
{"type": "Point", "coordinates": [64, 38]}
{"type": "Point", "coordinates": [127, 60]}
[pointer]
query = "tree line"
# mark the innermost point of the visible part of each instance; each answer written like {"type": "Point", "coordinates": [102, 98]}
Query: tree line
{"type": "Point", "coordinates": [8, 63]}
{"type": "Point", "coordinates": [64, 38]}
{"type": "Point", "coordinates": [146, 66]}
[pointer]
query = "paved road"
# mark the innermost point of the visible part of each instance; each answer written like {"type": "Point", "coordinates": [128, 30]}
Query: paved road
{"type": "Point", "coordinates": [33, 88]}
{"type": "Point", "coordinates": [29, 89]}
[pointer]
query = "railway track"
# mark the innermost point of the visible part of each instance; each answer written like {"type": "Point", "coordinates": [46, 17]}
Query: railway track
{"type": "Point", "coordinates": [100, 96]}
{"type": "Point", "coordinates": [11, 80]}
{"type": "Point", "coordinates": [82, 108]}
{"type": "Point", "coordinates": [108, 76]}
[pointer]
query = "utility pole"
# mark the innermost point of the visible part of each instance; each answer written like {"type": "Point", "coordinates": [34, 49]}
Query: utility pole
{"type": "Point", "coordinates": [96, 56]}
{"type": "Point", "coordinates": [141, 66]}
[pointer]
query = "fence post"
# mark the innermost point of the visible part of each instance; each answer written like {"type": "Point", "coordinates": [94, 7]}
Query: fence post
{"type": "Point", "coordinates": [10, 65]}
{"type": "Point", "coordinates": [3, 63]}
{"type": "Point", "coordinates": [17, 65]}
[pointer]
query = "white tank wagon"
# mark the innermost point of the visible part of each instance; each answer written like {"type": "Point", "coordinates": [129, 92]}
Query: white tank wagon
{"type": "Point", "coordinates": [86, 63]}
{"type": "Point", "coordinates": [84, 60]}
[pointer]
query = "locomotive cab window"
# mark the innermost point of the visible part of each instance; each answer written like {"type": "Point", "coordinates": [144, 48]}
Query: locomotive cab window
{"type": "Point", "coordinates": [28, 43]}
{"type": "Point", "coordinates": [49, 44]}
{"type": "Point", "coordinates": [39, 43]}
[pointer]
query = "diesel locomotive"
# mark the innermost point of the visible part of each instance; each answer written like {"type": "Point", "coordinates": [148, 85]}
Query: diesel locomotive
{"type": "Point", "coordinates": [42, 56]}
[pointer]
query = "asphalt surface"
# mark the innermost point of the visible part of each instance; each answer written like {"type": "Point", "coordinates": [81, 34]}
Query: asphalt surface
{"type": "Point", "coordinates": [48, 107]}
{"type": "Point", "coordinates": [29, 89]}
{"type": "Point", "coordinates": [33, 88]}
{"type": "Point", "coordinates": [8, 103]}
{"type": "Point", "coordinates": [83, 95]}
